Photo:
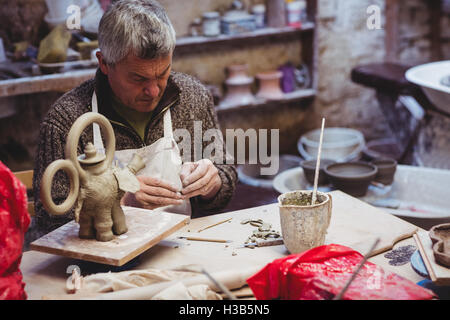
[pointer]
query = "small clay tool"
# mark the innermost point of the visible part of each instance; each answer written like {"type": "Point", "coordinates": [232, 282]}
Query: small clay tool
{"type": "Point", "coordinates": [266, 243]}
{"type": "Point", "coordinates": [355, 273]}
{"type": "Point", "coordinates": [215, 224]}
{"type": "Point", "coordinates": [205, 239]}
{"type": "Point", "coordinates": [316, 176]}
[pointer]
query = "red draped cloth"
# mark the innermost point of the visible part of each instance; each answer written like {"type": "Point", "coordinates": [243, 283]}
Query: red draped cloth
{"type": "Point", "coordinates": [14, 222]}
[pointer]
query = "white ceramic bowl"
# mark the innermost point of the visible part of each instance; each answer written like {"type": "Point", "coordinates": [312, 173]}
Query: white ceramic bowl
{"type": "Point", "coordinates": [339, 144]}
{"type": "Point", "coordinates": [429, 77]}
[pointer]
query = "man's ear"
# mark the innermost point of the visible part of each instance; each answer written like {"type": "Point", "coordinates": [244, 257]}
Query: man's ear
{"type": "Point", "coordinates": [102, 63]}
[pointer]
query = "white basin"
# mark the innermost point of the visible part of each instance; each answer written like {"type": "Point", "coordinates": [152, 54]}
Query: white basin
{"type": "Point", "coordinates": [418, 195]}
{"type": "Point", "coordinates": [428, 77]}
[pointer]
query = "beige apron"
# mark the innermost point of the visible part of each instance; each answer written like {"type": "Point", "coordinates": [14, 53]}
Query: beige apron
{"type": "Point", "coordinates": [162, 159]}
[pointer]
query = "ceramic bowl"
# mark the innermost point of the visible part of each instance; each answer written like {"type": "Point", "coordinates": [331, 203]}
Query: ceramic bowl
{"type": "Point", "coordinates": [309, 170]}
{"type": "Point", "coordinates": [386, 170]}
{"type": "Point", "coordinates": [351, 177]}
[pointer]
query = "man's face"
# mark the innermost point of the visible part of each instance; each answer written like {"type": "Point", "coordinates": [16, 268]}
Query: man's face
{"type": "Point", "coordinates": [138, 83]}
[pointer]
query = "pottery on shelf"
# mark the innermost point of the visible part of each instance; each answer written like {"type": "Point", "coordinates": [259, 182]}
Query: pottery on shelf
{"type": "Point", "coordinates": [269, 85]}
{"type": "Point", "coordinates": [238, 91]}
{"type": "Point", "coordinates": [237, 71]}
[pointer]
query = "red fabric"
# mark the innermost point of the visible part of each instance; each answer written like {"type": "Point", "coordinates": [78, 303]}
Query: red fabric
{"type": "Point", "coordinates": [14, 222]}
{"type": "Point", "coordinates": [321, 273]}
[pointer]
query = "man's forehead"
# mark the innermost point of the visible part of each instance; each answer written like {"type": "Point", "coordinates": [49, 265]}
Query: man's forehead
{"type": "Point", "coordinates": [147, 66]}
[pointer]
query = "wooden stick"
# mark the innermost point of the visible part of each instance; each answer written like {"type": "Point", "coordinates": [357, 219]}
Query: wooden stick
{"type": "Point", "coordinates": [355, 273]}
{"type": "Point", "coordinates": [204, 239]}
{"type": "Point", "coordinates": [316, 176]}
{"type": "Point", "coordinates": [219, 284]}
{"type": "Point", "coordinates": [215, 224]}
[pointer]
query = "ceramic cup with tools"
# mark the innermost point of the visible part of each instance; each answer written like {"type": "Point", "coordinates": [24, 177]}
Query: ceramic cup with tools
{"type": "Point", "coordinates": [304, 226]}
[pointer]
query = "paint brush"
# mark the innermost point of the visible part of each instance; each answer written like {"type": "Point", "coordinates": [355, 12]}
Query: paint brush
{"type": "Point", "coordinates": [316, 175]}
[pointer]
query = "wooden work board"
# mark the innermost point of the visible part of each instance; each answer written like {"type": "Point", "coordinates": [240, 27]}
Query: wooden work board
{"type": "Point", "coordinates": [145, 229]}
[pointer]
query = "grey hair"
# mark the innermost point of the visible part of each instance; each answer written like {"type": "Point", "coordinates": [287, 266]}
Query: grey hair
{"type": "Point", "coordinates": [141, 27]}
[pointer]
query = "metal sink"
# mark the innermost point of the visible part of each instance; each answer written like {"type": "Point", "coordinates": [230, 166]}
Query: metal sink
{"type": "Point", "coordinates": [432, 78]}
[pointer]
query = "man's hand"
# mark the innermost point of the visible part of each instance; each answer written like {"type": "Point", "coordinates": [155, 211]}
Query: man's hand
{"type": "Point", "coordinates": [154, 193]}
{"type": "Point", "coordinates": [200, 178]}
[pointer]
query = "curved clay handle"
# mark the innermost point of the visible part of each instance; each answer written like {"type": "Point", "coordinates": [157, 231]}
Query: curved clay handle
{"type": "Point", "coordinates": [74, 137]}
{"type": "Point", "coordinates": [46, 187]}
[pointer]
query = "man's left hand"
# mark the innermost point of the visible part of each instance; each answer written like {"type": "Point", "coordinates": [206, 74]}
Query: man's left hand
{"type": "Point", "coordinates": [200, 178]}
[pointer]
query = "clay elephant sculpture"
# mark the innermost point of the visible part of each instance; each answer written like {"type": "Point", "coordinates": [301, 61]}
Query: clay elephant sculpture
{"type": "Point", "coordinates": [96, 185]}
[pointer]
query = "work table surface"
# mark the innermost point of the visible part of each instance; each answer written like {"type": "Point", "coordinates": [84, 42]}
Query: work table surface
{"type": "Point", "coordinates": [354, 224]}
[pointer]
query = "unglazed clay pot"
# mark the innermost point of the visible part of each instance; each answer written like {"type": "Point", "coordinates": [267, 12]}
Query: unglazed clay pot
{"type": "Point", "coordinates": [351, 177]}
{"type": "Point", "coordinates": [309, 170]}
{"type": "Point", "coordinates": [269, 85]}
{"type": "Point", "coordinates": [238, 91]}
{"type": "Point", "coordinates": [304, 226]}
{"type": "Point", "coordinates": [96, 187]}
{"type": "Point", "coordinates": [386, 170]}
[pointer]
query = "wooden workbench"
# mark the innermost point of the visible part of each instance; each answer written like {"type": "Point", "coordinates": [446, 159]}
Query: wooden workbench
{"type": "Point", "coordinates": [354, 224]}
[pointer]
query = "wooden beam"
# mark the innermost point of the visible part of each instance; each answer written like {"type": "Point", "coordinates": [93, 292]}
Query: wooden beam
{"type": "Point", "coordinates": [392, 31]}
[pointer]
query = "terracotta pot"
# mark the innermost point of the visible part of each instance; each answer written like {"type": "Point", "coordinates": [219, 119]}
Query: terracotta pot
{"type": "Point", "coordinates": [238, 91]}
{"type": "Point", "coordinates": [269, 85]}
{"type": "Point", "coordinates": [304, 226]}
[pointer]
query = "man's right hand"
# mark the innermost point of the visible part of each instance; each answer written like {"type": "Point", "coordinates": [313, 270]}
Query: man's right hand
{"type": "Point", "coordinates": [154, 193]}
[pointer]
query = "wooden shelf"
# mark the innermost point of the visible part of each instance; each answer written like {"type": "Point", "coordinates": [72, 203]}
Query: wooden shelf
{"type": "Point", "coordinates": [52, 82]}
{"type": "Point", "coordinates": [290, 97]}
{"type": "Point", "coordinates": [191, 42]}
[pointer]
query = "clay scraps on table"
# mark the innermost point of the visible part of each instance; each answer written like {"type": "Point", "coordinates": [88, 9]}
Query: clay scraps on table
{"type": "Point", "coordinates": [263, 232]}
{"type": "Point", "coordinates": [400, 256]}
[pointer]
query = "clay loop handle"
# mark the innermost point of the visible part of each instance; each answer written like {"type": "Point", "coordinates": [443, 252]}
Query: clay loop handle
{"type": "Point", "coordinates": [46, 187]}
{"type": "Point", "coordinates": [74, 136]}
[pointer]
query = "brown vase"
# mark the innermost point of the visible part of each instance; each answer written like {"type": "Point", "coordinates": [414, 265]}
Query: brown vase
{"type": "Point", "coordinates": [269, 85]}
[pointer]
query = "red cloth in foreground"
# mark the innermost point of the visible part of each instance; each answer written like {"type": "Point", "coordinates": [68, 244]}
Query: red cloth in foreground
{"type": "Point", "coordinates": [322, 272]}
{"type": "Point", "coordinates": [14, 222]}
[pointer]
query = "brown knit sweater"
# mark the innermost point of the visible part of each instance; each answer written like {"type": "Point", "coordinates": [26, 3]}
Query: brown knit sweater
{"type": "Point", "coordinates": [188, 100]}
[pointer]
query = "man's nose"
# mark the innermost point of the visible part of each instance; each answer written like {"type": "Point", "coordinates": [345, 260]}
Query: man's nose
{"type": "Point", "coordinates": [152, 90]}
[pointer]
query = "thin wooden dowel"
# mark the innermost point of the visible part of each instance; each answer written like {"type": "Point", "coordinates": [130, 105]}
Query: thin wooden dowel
{"type": "Point", "coordinates": [204, 239]}
{"type": "Point", "coordinates": [316, 175]}
{"type": "Point", "coordinates": [215, 224]}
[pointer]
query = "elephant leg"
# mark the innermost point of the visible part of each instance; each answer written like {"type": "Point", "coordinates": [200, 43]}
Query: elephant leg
{"type": "Point", "coordinates": [119, 221]}
{"type": "Point", "coordinates": [103, 225]}
{"type": "Point", "coordinates": [87, 230]}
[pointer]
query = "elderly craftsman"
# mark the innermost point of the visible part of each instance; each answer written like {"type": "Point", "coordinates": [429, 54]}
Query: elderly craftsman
{"type": "Point", "coordinates": [136, 89]}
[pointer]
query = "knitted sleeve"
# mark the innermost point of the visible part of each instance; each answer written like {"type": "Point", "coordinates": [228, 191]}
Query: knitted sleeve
{"type": "Point", "coordinates": [52, 140]}
{"type": "Point", "coordinates": [224, 163]}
